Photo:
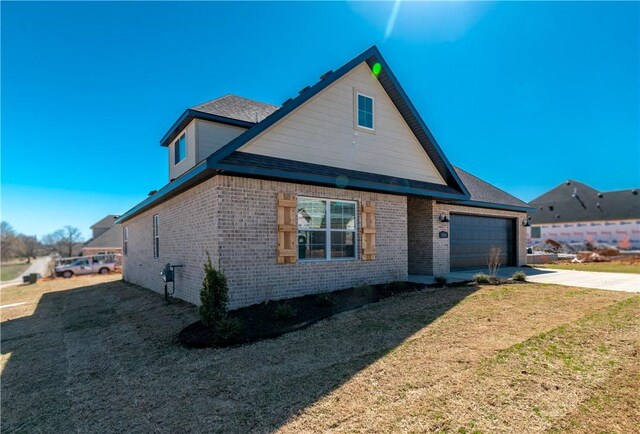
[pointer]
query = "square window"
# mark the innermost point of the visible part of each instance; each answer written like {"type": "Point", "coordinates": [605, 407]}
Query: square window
{"type": "Point", "coordinates": [320, 240]}
{"type": "Point", "coordinates": [365, 111]}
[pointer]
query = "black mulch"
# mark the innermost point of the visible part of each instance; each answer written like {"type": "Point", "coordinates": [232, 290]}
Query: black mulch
{"type": "Point", "coordinates": [261, 321]}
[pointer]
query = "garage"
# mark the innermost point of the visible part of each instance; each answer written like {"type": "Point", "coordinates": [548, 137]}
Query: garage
{"type": "Point", "coordinates": [471, 238]}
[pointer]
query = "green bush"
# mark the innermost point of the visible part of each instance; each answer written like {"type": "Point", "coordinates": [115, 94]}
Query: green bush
{"type": "Point", "coordinates": [481, 278]}
{"type": "Point", "coordinates": [397, 285]}
{"type": "Point", "coordinates": [519, 276]}
{"type": "Point", "coordinates": [229, 328]}
{"type": "Point", "coordinates": [440, 280]}
{"type": "Point", "coordinates": [283, 311]}
{"type": "Point", "coordinates": [214, 295]}
{"type": "Point", "coordinates": [326, 299]}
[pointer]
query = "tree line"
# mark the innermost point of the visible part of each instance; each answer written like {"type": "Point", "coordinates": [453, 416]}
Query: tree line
{"type": "Point", "coordinates": [16, 245]}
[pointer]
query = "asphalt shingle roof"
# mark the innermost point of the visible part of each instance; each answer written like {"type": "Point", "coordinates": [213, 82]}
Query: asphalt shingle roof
{"type": "Point", "coordinates": [559, 205]}
{"type": "Point", "coordinates": [237, 107]}
{"type": "Point", "coordinates": [110, 238]}
{"type": "Point", "coordinates": [106, 222]}
{"type": "Point", "coordinates": [482, 191]}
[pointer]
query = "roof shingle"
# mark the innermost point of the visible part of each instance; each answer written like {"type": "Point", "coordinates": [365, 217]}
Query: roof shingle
{"type": "Point", "coordinates": [237, 107]}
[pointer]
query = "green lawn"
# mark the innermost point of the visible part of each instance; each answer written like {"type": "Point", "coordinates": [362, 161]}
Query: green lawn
{"type": "Point", "coordinates": [11, 271]}
{"type": "Point", "coordinates": [596, 266]}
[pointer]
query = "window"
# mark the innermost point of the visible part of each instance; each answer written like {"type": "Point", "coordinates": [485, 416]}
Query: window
{"type": "Point", "coordinates": [535, 232]}
{"type": "Point", "coordinates": [156, 236]}
{"type": "Point", "coordinates": [125, 240]}
{"type": "Point", "coordinates": [180, 149]}
{"type": "Point", "coordinates": [365, 111]}
{"type": "Point", "coordinates": [326, 229]}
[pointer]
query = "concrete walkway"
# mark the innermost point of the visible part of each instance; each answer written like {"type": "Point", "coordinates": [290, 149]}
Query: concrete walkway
{"type": "Point", "coordinates": [39, 266]}
{"type": "Point", "coordinates": [582, 279]}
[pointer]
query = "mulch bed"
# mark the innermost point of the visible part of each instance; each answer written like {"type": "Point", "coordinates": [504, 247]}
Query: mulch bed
{"type": "Point", "coordinates": [260, 321]}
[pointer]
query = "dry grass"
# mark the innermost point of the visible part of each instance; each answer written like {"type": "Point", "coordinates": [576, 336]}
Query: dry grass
{"type": "Point", "coordinates": [516, 358]}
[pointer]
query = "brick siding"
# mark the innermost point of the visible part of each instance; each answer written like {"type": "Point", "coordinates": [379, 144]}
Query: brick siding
{"type": "Point", "coordinates": [235, 220]}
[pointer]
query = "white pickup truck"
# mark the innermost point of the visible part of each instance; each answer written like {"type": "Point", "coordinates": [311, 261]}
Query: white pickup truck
{"type": "Point", "coordinates": [88, 265]}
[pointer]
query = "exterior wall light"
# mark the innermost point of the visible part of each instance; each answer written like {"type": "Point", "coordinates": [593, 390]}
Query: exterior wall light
{"type": "Point", "coordinates": [443, 218]}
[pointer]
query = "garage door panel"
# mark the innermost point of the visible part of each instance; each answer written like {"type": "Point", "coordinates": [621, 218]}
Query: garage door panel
{"type": "Point", "coordinates": [472, 237]}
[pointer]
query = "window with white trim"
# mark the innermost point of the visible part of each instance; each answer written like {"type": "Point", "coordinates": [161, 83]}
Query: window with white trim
{"type": "Point", "coordinates": [326, 229]}
{"type": "Point", "coordinates": [156, 236]}
{"type": "Point", "coordinates": [364, 112]}
{"type": "Point", "coordinates": [125, 240]}
{"type": "Point", "coordinates": [180, 149]}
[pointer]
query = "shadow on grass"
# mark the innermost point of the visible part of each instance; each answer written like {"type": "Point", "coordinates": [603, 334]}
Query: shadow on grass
{"type": "Point", "coordinates": [105, 358]}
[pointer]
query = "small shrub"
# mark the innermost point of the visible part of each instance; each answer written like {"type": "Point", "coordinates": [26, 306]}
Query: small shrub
{"type": "Point", "coordinates": [397, 286]}
{"type": "Point", "coordinates": [519, 276]}
{"type": "Point", "coordinates": [283, 311]}
{"type": "Point", "coordinates": [440, 280]}
{"type": "Point", "coordinates": [493, 260]}
{"type": "Point", "coordinates": [327, 299]}
{"type": "Point", "coordinates": [214, 294]}
{"type": "Point", "coordinates": [229, 328]}
{"type": "Point", "coordinates": [481, 278]}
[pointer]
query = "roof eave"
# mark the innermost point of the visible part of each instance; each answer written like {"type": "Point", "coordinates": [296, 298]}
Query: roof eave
{"type": "Point", "coordinates": [315, 179]}
{"type": "Point", "coordinates": [492, 205]}
{"type": "Point", "coordinates": [191, 114]}
{"type": "Point", "coordinates": [195, 176]}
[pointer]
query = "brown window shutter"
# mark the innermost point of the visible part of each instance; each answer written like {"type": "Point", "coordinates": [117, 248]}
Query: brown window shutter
{"type": "Point", "coordinates": [368, 231]}
{"type": "Point", "coordinates": [287, 228]}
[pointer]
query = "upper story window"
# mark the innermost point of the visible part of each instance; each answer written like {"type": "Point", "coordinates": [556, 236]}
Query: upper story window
{"type": "Point", "coordinates": [364, 113]}
{"type": "Point", "coordinates": [180, 149]}
{"type": "Point", "coordinates": [156, 236]}
{"type": "Point", "coordinates": [125, 240]}
{"type": "Point", "coordinates": [326, 229]}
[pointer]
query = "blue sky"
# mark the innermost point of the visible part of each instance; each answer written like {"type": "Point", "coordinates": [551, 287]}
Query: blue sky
{"type": "Point", "coordinates": [524, 95]}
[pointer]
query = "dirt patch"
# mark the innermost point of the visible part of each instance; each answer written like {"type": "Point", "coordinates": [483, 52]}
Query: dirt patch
{"type": "Point", "coordinates": [273, 319]}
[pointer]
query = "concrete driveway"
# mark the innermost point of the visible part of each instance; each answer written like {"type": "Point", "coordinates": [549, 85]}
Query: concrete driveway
{"type": "Point", "coordinates": [581, 279]}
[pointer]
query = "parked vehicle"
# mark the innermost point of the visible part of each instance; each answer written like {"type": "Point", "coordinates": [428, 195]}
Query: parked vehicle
{"type": "Point", "coordinates": [102, 264]}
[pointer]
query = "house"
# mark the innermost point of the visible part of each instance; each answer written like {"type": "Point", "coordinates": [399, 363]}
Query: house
{"type": "Point", "coordinates": [341, 185]}
{"type": "Point", "coordinates": [575, 213]}
{"type": "Point", "coordinates": [107, 237]}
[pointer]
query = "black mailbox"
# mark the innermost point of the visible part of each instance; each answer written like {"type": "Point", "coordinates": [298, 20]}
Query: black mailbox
{"type": "Point", "coordinates": [167, 273]}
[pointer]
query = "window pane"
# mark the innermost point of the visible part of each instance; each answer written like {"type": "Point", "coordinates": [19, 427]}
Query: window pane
{"type": "Point", "coordinates": [312, 244]}
{"type": "Point", "coordinates": [343, 245]}
{"type": "Point", "coordinates": [343, 215]}
{"type": "Point", "coordinates": [365, 111]}
{"type": "Point", "coordinates": [312, 214]}
{"type": "Point", "coordinates": [180, 146]}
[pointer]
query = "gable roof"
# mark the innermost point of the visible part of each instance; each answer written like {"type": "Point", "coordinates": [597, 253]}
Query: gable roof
{"type": "Point", "coordinates": [105, 222]}
{"type": "Point", "coordinates": [573, 201]}
{"type": "Point", "coordinates": [228, 160]}
{"type": "Point", "coordinates": [395, 92]}
{"type": "Point", "coordinates": [110, 238]}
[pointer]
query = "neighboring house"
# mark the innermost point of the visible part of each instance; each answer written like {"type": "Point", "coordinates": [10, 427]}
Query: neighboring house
{"type": "Point", "coordinates": [342, 185]}
{"type": "Point", "coordinates": [575, 213]}
{"type": "Point", "coordinates": [107, 237]}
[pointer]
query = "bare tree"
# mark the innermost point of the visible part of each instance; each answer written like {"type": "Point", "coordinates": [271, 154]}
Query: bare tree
{"type": "Point", "coordinates": [71, 235]}
{"type": "Point", "coordinates": [11, 246]}
{"type": "Point", "coordinates": [63, 240]}
{"type": "Point", "coordinates": [494, 260]}
{"type": "Point", "coordinates": [31, 246]}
